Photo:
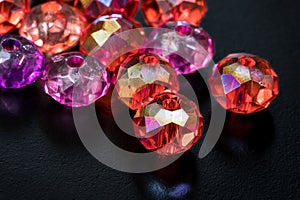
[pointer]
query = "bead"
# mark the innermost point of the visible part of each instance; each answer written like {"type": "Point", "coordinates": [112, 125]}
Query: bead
{"type": "Point", "coordinates": [74, 79]}
{"type": "Point", "coordinates": [186, 47]}
{"type": "Point", "coordinates": [170, 124]}
{"type": "Point", "coordinates": [21, 63]}
{"type": "Point", "coordinates": [157, 12]}
{"type": "Point", "coordinates": [100, 40]}
{"type": "Point", "coordinates": [244, 83]}
{"type": "Point", "coordinates": [142, 77]}
{"type": "Point", "coordinates": [11, 14]}
{"type": "Point", "coordinates": [53, 27]}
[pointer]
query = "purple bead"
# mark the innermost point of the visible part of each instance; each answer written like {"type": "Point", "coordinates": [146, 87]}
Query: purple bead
{"type": "Point", "coordinates": [74, 79]}
{"type": "Point", "coordinates": [21, 63]}
{"type": "Point", "coordinates": [186, 47]}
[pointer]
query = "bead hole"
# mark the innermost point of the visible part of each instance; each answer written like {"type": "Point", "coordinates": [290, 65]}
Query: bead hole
{"type": "Point", "coordinates": [75, 61]}
{"type": "Point", "coordinates": [184, 30]}
{"type": "Point", "coordinates": [10, 44]}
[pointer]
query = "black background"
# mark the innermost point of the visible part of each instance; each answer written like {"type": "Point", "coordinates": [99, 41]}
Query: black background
{"type": "Point", "coordinates": [257, 157]}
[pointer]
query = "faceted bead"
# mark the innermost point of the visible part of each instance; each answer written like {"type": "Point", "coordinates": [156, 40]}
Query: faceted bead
{"type": "Point", "coordinates": [11, 14]}
{"type": "Point", "coordinates": [170, 124]}
{"type": "Point", "coordinates": [21, 63]}
{"type": "Point", "coordinates": [244, 83]}
{"type": "Point", "coordinates": [53, 27]}
{"type": "Point", "coordinates": [157, 12]}
{"type": "Point", "coordinates": [101, 41]}
{"type": "Point", "coordinates": [74, 79]}
{"type": "Point", "coordinates": [142, 77]}
{"type": "Point", "coordinates": [186, 47]}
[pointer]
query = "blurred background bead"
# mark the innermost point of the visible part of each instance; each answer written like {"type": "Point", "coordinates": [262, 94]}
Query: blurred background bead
{"type": "Point", "coordinates": [102, 41]}
{"type": "Point", "coordinates": [21, 63]}
{"type": "Point", "coordinates": [53, 27]}
{"type": "Point", "coordinates": [11, 14]}
{"type": "Point", "coordinates": [74, 79]}
{"type": "Point", "coordinates": [186, 47]}
{"type": "Point", "coordinates": [142, 77]}
{"type": "Point", "coordinates": [170, 124]}
{"type": "Point", "coordinates": [244, 83]}
{"type": "Point", "coordinates": [158, 12]}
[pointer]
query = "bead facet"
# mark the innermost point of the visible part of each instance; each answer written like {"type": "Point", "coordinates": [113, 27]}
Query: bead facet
{"type": "Point", "coordinates": [244, 83]}
{"type": "Point", "coordinates": [186, 47]}
{"type": "Point", "coordinates": [21, 63]}
{"type": "Point", "coordinates": [54, 27]}
{"type": "Point", "coordinates": [100, 40]}
{"type": "Point", "coordinates": [170, 124]}
{"type": "Point", "coordinates": [158, 12]}
{"type": "Point", "coordinates": [11, 14]}
{"type": "Point", "coordinates": [142, 77]}
{"type": "Point", "coordinates": [74, 79]}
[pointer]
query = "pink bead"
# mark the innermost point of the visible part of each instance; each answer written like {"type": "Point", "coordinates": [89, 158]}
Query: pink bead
{"type": "Point", "coordinates": [74, 79]}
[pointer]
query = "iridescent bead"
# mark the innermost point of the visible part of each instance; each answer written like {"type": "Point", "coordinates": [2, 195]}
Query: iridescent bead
{"type": "Point", "coordinates": [11, 14]}
{"type": "Point", "coordinates": [170, 124]}
{"type": "Point", "coordinates": [244, 83]}
{"type": "Point", "coordinates": [101, 39]}
{"type": "Point", "coordinates": [186, 47]}
{"type": "Point", "coordinates": [74, 79]}
{"type": "Point", "coordinates": [21, 63]}
{"type": "Point", "coordinates": [54, 27]}
{"type": "Point", "coordinates": [158, 12]}
{"type": "Point", "coordinates": [142, 77]}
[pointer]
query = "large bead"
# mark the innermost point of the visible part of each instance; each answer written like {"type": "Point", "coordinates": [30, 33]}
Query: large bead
{"type": "Point", "coordinates": [21, 63]}
{"type": "Point", "coordinates": [101, 39]}
{"type": "Point", "coordinates": [187, 48]}
{"type": "Point", "coordinates": [74, 79]}
{"type": "Point", "coordinates": [53, 27]}
{"type": "Point", "coordinates": [142, 77]}
{"type": "Point", "coordinates": [11, 14]}
{"type": "Point", "coordinates": [244, 83]}
{"type": "Point", "coordinates": [157, 12]}
{"type": "Point", "coordinates": [170, 124]}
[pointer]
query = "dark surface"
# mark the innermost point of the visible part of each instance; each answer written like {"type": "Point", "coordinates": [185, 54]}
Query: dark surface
{"type": "Point", "coordinates": [257, 157]}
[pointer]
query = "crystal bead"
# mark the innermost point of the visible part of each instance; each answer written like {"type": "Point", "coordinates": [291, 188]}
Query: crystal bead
{"type": "Point", "coordinates": [186, 47]}
{"type": "Point", "coordinates": [170, 124]}
{"type": "Point", "coordinates": [244, 83]}
{"type": "Point", "coordinates": [11, 14]}
{"type": "Point", "coordinates": [74, 79]}
{"type": "Point", "coordinates": [54, 27]}
{"type": "Point", "coordinates": [21, 63]}
{"type": "Point", "coordinates": [142, 77]}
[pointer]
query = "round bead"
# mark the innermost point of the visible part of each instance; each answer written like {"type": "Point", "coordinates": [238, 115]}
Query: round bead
{"type": "Point", "coordinates": [186, 47]}
{"type": "Point", "coordinates": [21, 63]}
{"type": "Point", "coordinates": [157, 12]}
{"type": "Point", "coordinates": [142, 77]}
{"type": "Point", "coordinates": [244, 83]}
{"type": "Point", "coordinates": [170, 124]}
{"type": "Point", "coordinates": [101, 41]}
{"type": "Point", "coordinates": [11, 14]}
{"type": "Point", "coordinates": [53, 27]}
{"type": "Point", "coordinates": [74, 79]}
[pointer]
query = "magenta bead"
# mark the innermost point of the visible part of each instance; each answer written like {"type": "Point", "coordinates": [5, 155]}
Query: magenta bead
{"type": "Point", "coordinates": [74, 79]}
{"type": "Point", "coordinates": [186, 47]}
{"type": "Point", "coordinates": [21, 63]}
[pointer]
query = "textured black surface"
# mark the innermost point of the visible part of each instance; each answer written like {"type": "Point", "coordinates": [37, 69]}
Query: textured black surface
{"type": "Point", "coordinates": [41, 156]}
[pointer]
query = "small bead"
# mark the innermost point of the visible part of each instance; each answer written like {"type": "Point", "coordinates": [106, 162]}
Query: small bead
{"type": "Point", "coordinates": [244, 83]}
{"type": "Point", "coordinates": [170, 124]}
{"type": "Point", "coordinates": [142, 77]}
{"type": "Point", "coordinates": [186, 47]}
{"type": "Point", "coordinates": [53, 27]}
{"type": "Point", "coordinates": [21, 63]}
{"type": "Point", "coordinates": [158, 12]}
{"type": "Point", "coordinates": [74, 79]}
{"type": "Point", "coordinates": [11, 14]}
